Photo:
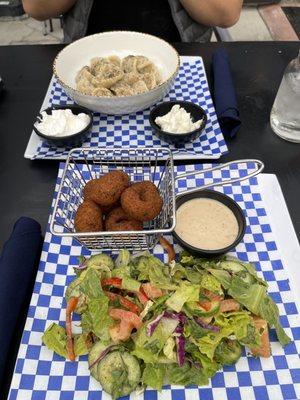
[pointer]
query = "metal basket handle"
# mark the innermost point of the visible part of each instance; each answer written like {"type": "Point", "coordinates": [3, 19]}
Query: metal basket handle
{"type": "Point", "coordinates": [259, 168]}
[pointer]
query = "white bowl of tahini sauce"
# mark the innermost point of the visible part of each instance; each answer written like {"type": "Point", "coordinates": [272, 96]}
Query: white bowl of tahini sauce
{"type": "Point", "coordinates": [210, 223]}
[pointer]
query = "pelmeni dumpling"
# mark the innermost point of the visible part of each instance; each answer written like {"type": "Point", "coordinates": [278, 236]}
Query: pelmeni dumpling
{"type": "Point", "coordinates": [111, 76]}
{"type": "Point", "coordinates": [101, 91]}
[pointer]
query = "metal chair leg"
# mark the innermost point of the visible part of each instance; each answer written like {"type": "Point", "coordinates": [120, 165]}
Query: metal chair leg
{"type": "Point", "coordinates": [45, 33]}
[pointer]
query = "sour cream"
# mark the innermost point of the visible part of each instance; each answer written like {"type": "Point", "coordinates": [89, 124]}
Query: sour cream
{"type": "Point", "coordinates": [178, 120]}
{"type": "Point", "coordinates": [206, 224]}
{"type": "Point", "coordinates": [62, 123]}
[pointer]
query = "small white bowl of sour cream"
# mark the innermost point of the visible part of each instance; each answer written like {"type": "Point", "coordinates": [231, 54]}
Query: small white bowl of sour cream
{"type": "Point", "coordinates": [178, 122]}
{"type": "Point", "coordinates": [63, 125]}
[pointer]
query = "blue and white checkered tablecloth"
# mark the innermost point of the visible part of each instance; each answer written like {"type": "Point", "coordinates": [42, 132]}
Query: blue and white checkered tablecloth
{"type": "Point", "coordinates": [42, 375]}
{"type": "Point", "coordinates": [134, 130]}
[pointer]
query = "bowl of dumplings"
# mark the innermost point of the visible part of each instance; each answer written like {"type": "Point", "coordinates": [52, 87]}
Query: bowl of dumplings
{"type": "Point", "coordinates": [118, 72]}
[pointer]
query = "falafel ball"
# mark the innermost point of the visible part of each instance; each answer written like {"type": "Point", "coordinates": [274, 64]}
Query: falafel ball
{"type": "Point", "coordinates": [117, 220]}
{"type": "Point", "coordinates": [88, 217]}
{"type": "Point", "coordinates": [107, 189]}
{"type": "Point", "coordinates": [142, 201]}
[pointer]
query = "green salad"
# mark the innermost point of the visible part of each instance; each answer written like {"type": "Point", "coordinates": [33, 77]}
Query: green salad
{"type": "Point", "coordinates": [146, 323]}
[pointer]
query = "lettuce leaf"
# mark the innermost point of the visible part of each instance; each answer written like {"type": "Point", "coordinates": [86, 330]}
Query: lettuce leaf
{"type": "Point", "coordinates": [228, 352]}
{"type": "Point", "coordinates": [146, 355]}
{"type": "Point", "coordinates": [100, 260]}
{"type": "Point", "coordinates": [121, 272]}
{"type": "Point", "coordinates": [178, 272]}
{"type": "Point", "coordinates": [223, 276]}
{"type": "Point", "coordinates": [186, 292]}
{"type": "Point", "coordinates": [55, 339]}
{"type": "Point", "coordinates": [90, 284]}
{"type": "Point", "coordinates": [156, 342]}
{"type": "Point", "coordinates": [269, 311]}
{"type": "Point", "coordinates": [80, 344]}
{"type": "Point", "coordinates": [101, 321]}
{"type": "Point", "coordinates": [211, 283]}
{"type": "Point", "coordinates": [250, 296]}
{"type": "Point", "coordinates": [191, 328]}
{"type": "Point", "coordinates": [188, 374]}
{"type": "Point", "coordinates": [152, 269]}
{"type": "Point", "coordinates": [169, 349]}
{"type": "Point", "coordinates": [95, 317]}
{"type": "Point", "coordinates": [153, 376]}
{"type": "Point", "coordinates": [130, 284]}
{"type": "Point", "coordinates": [210, 367]}
{"type": "Point", "coordinates": [123, 258]}
{"type": "Point", "coordinates": [255, 298]}
{"type": "Point", "coordinates": [235, 323]}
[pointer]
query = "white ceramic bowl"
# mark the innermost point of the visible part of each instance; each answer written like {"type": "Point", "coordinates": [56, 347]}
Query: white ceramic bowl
{"type": "Point", "coordinates": [121, 43]}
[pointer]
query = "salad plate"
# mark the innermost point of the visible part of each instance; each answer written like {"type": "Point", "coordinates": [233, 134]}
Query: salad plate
{"type": "Point", "coordinates": [42, 374]}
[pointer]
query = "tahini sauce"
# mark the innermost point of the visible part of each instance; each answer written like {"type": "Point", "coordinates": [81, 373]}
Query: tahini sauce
{"type": "Point", "coordinates": [206, 224]}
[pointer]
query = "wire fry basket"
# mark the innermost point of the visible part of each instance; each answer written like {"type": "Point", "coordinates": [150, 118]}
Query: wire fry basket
{"type": "Point", "coordinates": [84, 164]}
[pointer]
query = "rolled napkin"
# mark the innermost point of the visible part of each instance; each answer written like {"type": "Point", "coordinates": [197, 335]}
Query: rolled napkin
{"type": "Point", "coordinates": [18, 265]}
{"type": "Point", "coordinates": [224, 94]}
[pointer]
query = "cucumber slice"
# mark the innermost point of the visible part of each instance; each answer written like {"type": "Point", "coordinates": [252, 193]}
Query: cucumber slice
{"type": "Point", "coordinates": [100, 259]}
{"type": "Point", "coordinates": [119, 373]}
{"type": "Point", "coordinates": [94, 353]}
{"type": "Point", "coordinates": [194, 308]}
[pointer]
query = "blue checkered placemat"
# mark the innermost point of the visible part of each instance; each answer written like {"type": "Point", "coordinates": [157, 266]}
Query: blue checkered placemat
{"type": "Point", "coordinates": [42, 375]}
{"type": "Point", "coordinates": [134, 130]}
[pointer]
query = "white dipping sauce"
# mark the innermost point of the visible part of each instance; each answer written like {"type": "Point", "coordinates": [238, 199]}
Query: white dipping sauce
{"type": "Point", "coordinates": [206, 224]}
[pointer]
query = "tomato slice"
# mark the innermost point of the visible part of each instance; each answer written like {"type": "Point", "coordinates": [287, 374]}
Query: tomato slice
{"type": "Point", "coordinates": [71, 306]}
{"type": "Point", "coordinates": [115, 282]}
{"type": "Point", "coordinates": [128, 316]}
{"type": "Point", "coordinates": [141, 295]}
{"type": "Point", "coordinates": [128, 321]}
{"type": "Point", "coordinates": [151, 291]}
{"type": "Point", "coordinates": [206, 304]}
{"type": "Point", "coordinates": [229, 305]}
{"type": "Point", "coordinates": [123, 301]}
{"type": "Point", "coordinates": [211, 295]}
{"type": "Point", "coordinates": [265, 349]}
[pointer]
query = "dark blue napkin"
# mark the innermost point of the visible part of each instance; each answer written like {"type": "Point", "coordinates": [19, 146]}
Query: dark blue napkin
{"type": "Point", "coordinates": [224, 94]}
{"type": "Point", "coordinates": [18, 265]}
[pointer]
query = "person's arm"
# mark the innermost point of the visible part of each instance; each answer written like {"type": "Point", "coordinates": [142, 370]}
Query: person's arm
{"type": "Point", "coordinates": [223, 13]}
{"type": "Point", "coordinates": [44, 9]}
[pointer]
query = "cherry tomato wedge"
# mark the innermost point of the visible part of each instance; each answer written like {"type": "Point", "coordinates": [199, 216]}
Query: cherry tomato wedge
{"type": "Point", "coordinates": [115, 282]}
{"type": "Point", "coordinates": [123, 301]}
